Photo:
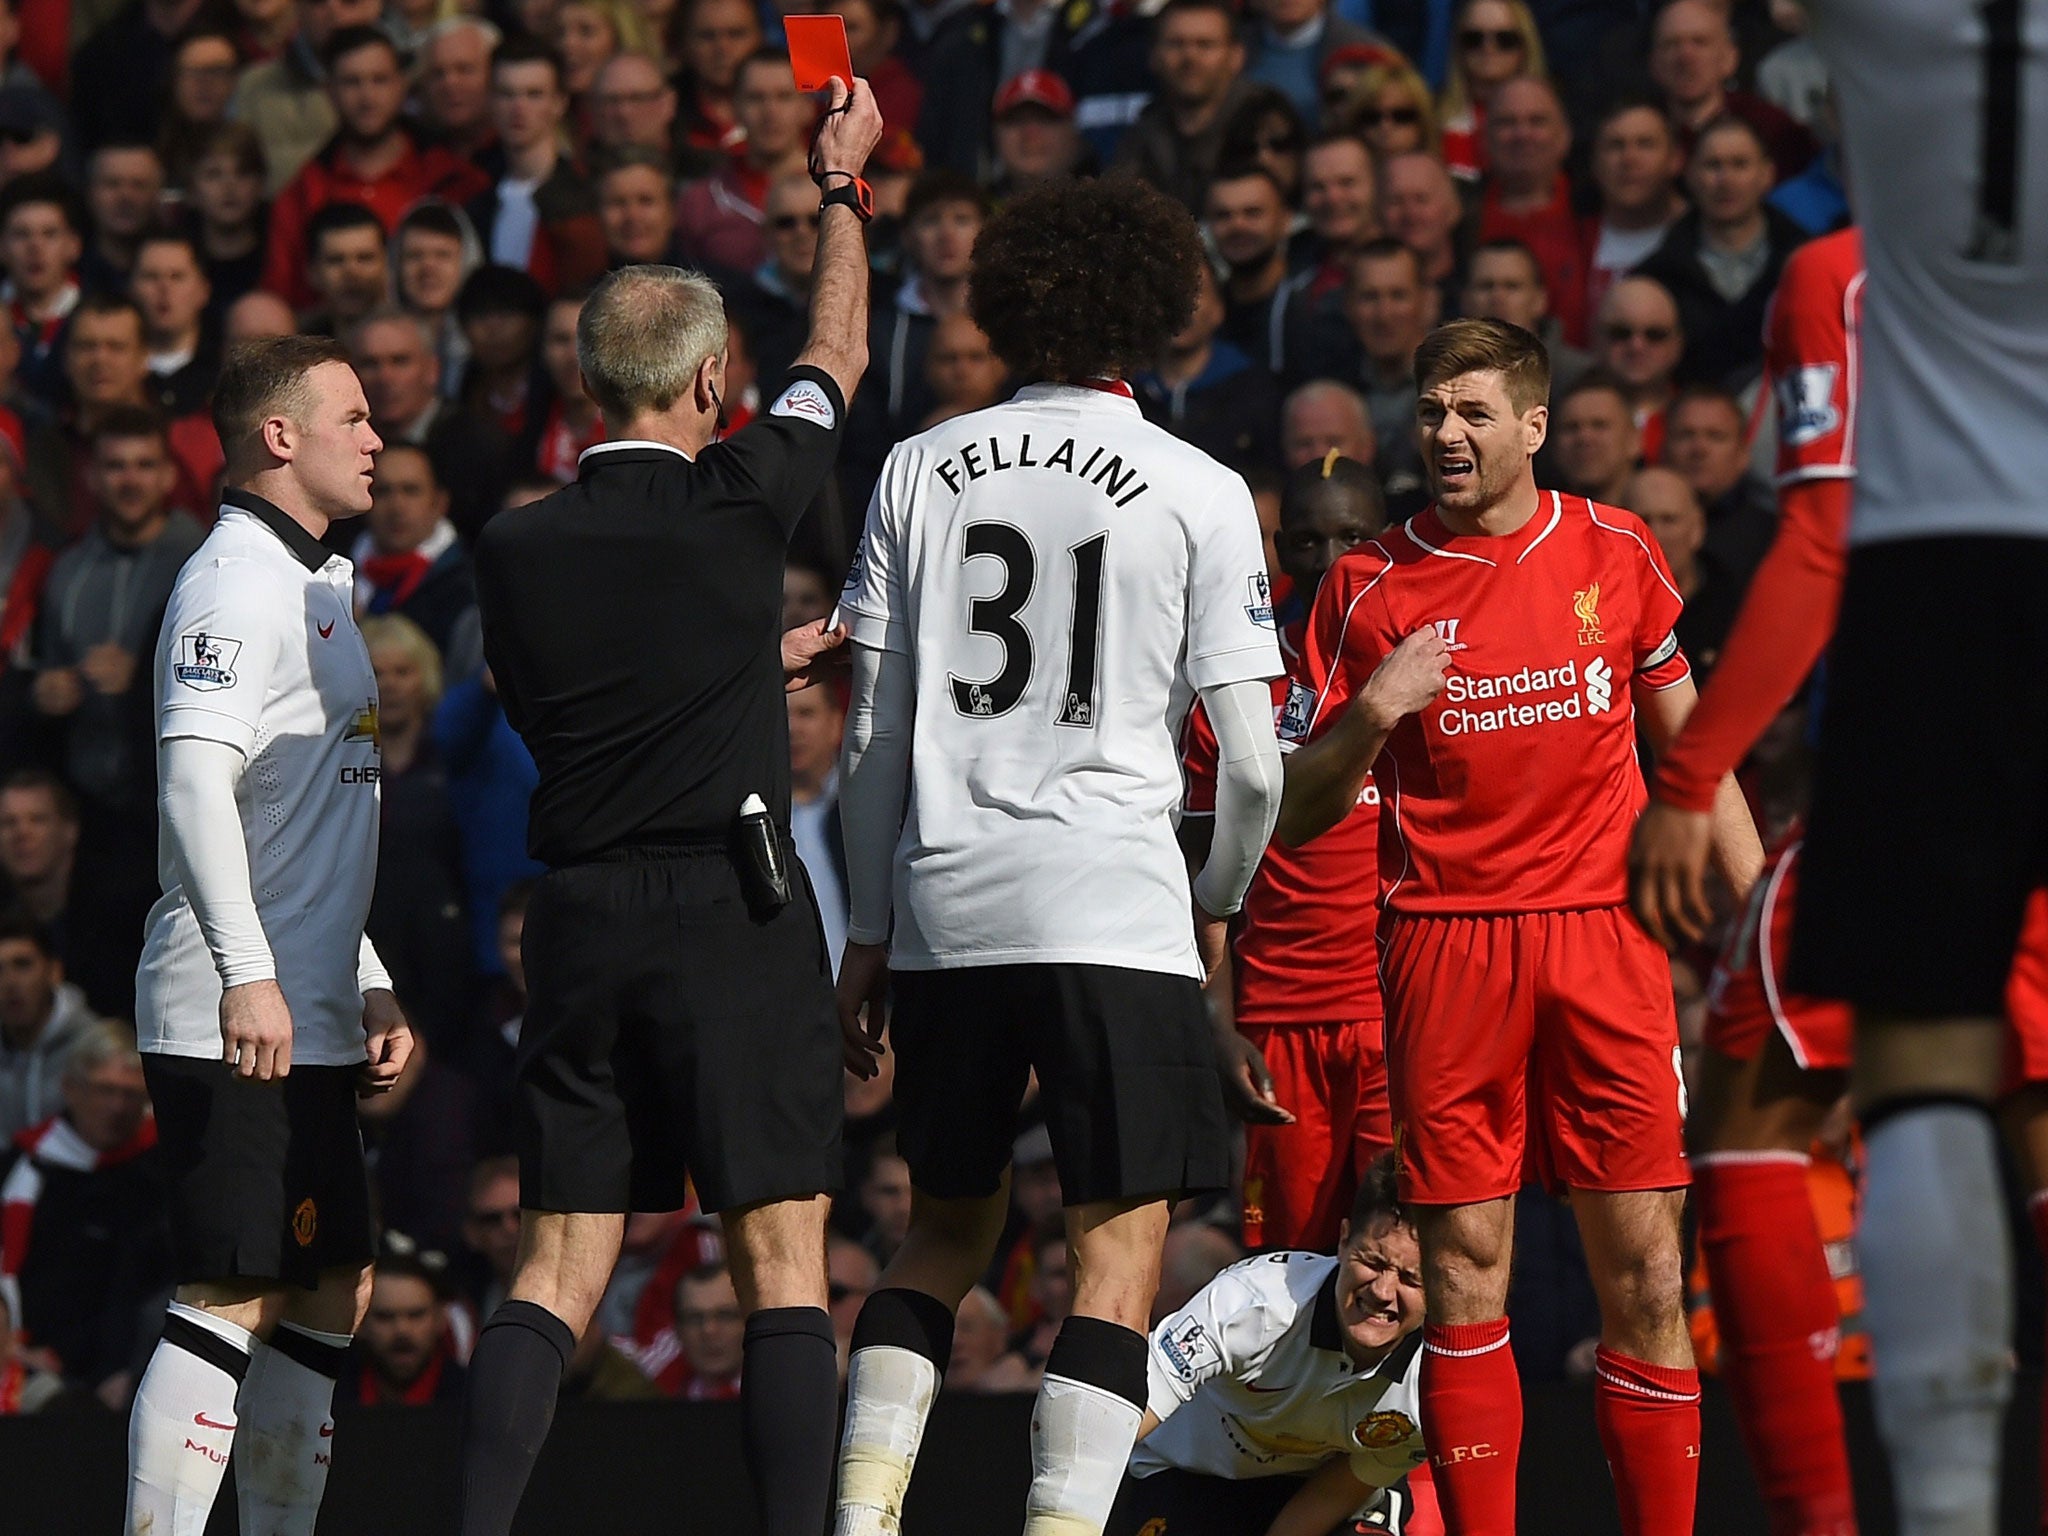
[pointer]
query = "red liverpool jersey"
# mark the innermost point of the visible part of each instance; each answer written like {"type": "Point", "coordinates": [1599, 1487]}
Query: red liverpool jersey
{"type": "Point", "coordinates": [1810, 349]}
{"type": "Point", "coordinates": [1516, 789]}
{"type": "Point", "coordinates": [1304, 951]}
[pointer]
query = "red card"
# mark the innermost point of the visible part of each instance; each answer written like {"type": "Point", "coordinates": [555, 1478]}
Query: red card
{"type": "Point", "coordinates": [817, 50]}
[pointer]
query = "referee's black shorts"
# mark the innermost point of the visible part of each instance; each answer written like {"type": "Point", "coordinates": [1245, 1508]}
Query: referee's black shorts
{"type": "Point", "coordinates": [1930, 797]}
{"type": "Point", "coordinates": [1126, 1070]}
{"type": "Point", "coordinates": [268, 1181]}
{"type": "Point", "coordinates": [671, 1036]}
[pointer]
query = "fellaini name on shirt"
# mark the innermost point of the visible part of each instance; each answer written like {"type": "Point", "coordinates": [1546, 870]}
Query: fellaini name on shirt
{"type": "Point", "coordinates": [977, 460]}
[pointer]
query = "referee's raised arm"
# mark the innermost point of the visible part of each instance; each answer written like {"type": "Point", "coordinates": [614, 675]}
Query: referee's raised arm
{"type": "Point", "coordinates": [679, 1033]}
{"type": "Point", "coordinates": [838, 342]}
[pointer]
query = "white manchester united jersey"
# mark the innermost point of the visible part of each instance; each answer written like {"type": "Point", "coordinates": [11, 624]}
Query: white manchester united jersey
{"type": "Point", "coordinates": [1250, 1379]}
{"type": "Point", "coordinates": [1064, 577]}
{"type": "Point", "coordinates": [260, 651]}
{"type": "Point", "coordinates": [1944, 109]}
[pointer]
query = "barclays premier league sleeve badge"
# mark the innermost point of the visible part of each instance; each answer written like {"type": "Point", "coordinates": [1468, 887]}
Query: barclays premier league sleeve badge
{"type": "Point", "coordinates": [1259, 600]}
{"type": "Point", "coordinates": [205, 661]}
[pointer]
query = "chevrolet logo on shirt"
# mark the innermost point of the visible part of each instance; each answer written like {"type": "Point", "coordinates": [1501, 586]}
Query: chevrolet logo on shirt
{"type": "Point", "coordinates": [363, 727]}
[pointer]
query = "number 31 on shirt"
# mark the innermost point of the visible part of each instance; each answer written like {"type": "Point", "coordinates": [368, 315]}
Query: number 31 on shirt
{"type": "Point", "coordinates": [996, 617]}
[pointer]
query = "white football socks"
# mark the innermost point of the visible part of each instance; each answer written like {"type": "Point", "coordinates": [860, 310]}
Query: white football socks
{"type": "Point", "coordinates": [181, 1428]}
{"type": "Point", "coordinates": [889, 1393]}
{"type": "Point", "coordinates": [1081, 1439]}
{"type": "Point", "coordinates": [286, 1443]}
{"type": "Point", "coordinates": [1937, 1286]}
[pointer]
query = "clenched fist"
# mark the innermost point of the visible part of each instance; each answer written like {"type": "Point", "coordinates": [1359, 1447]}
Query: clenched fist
{"type": "Point", "coordinates": [1410, 677]}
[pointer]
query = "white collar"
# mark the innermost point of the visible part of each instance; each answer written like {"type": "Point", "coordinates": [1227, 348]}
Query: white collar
{"type": "Point", "coordinates": [1304, 36]}
{"type": "Point", "coordinates": [432, 547]}
{"type": "Point", "coordinates": [633, 442]}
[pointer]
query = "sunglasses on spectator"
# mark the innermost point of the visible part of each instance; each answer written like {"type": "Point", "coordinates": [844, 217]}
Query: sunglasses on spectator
{"type": "Point", "coordinates": [1276, 143]}
{"type": "Point", "coordinates": [1506, 39]}
{"type": "Point", "coordinates": [1649, 333]}
{"type": "Point", "coordinates": [1379, 117]}
{"type": "Point", "coordinates": [502, 1216]}
{"type": "Point", "coordinates": [786, 223]}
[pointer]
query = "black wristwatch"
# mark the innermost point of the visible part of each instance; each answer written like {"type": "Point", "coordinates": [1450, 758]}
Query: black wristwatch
{"type": "Point", "coordinates": [853, 192]}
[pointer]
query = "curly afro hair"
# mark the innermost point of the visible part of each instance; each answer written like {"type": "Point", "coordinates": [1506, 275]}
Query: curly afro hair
{"type": "Point", "coordinates": [1085, 279]}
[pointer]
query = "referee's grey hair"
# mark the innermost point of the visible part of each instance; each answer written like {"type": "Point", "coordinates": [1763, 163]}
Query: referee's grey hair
{"type": "Point", "coordinates": [643, 334]}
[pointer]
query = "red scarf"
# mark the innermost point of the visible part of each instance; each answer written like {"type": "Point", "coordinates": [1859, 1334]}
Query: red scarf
{"type": "Point", "coordinates": [561, 444]}
{"type": "Point", "coordinates": [418, 1395]}
{"type": "Point", "coordinates": [51, 1145]}
{"type": "Point", "coordinates": [396, 577]}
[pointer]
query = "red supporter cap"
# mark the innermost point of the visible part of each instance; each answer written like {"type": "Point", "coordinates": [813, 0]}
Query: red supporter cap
{"type": "Point", "coordinates": [1035, 88]}
{"type": "Point", "coordinates": [898, 153]}
{"type": "Point", "coordinates": [1365, 54]}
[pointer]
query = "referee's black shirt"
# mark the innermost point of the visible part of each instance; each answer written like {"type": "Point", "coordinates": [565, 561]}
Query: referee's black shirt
{"type": "Point", "coordinates": [632, 624]}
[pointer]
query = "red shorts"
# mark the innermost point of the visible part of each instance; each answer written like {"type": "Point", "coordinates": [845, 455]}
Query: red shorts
{"type": "Point", "coordinates": [1300, 1179]}
{"type": "Point", "coordinates": [1746, 1000]}
{"type": "Point", "coordinates": [1569, 1012]}
{"type": "Point", "coordinates": [1746, 997]}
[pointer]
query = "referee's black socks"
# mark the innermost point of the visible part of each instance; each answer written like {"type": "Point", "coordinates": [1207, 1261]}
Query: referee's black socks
{"type": "Point", "coordinates": [789, 1405]}
{"type": "Point", "coordinates": [514, 1375]}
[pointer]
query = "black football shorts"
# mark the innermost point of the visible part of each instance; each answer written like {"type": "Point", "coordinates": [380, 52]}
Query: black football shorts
{"type": "Point", "coordinates": [267, 1180]}
{"type": "Point", "coordinates": [670, 1037]}
{"type": "Point", "coordinates": [1930, 796]}
{"type": "Point", "coordinates": [1126, 1071]}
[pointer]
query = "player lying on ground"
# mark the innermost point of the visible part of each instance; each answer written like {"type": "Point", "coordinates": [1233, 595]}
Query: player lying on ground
{"type": "Point", "coordinates": [1282, 1398]}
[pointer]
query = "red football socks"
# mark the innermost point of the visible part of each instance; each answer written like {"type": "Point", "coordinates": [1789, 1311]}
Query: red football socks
{"type": "Point", "coordinates": [1775, 1305]}
{"type": "Point", "coordinates": [1649, 1419]}
{"type": "Point", "coordinates": [1472, 1420]}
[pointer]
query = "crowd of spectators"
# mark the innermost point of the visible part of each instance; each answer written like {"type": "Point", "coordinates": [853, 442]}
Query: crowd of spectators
{"type": "Point", "coordinates": [437, 183]}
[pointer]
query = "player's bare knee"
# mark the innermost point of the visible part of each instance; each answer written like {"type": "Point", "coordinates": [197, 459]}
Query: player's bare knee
{"type": "Point", "coordinates": [1642, 1290]}
{"type": "Point", "coordinates": [250, 1306]}
{"type": "Point", "coordinates": [337, 1305]}
{"type": "Point", "coordinates": [1914, 1058]}
{"type": "Point", "coordinates": [778, 1252]}
{"type": "Point", "coordinates": [2023, 1115]}
{"type": "Point", "coordinates": [1466, 1241]}
{"type": "Point", "coordinates": [973, 1223]}
{"type": "Point", "coordinates": [565, 1262]}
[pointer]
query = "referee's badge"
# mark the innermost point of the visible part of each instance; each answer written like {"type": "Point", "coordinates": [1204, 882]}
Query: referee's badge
{"type": "Point", "coordinates": [206, 661]}
{"type": "Point", "coordinates": [806, 400]}
{"type": "Point", "coordinates": [305, 1222]}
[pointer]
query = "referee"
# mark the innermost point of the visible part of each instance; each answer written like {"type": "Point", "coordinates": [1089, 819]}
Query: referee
{"type": "Point", "coordinates": [680, 1023]}
{"type": "Point", "coordinates": [258, 998]}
